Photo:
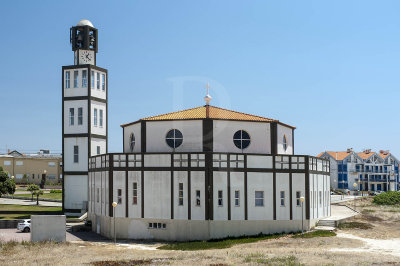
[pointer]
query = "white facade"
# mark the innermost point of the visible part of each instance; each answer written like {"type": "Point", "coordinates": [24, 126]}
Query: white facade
{"type": "Point", "coordinates": [173, 198]}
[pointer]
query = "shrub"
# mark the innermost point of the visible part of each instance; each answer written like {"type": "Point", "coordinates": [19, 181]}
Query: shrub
{"type": "Point", "coordinates": [55, 191]}
{"type": "Point", "coordinates": [387, 198]}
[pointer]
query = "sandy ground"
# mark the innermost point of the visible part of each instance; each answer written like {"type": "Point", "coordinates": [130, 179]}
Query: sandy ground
{"type": "Point", "coordinates": [379, 245]}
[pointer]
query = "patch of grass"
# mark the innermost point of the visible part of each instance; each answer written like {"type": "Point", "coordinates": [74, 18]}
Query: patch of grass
{"type": "Point", "coordinates": [317, 233]}
{"type": "Point", "coordinates": [57, 196]}
{"type": "Point", "coordinates": [355, 225]}
{"type": "Point", "coordinates": [262, 259]}
{"type": "Point", "coordinates": [28, 208]}
{"type": "Point", "coordinates": [121, 262]}
{"type": "Point", "coordinates": [368, 211]}
{"type": "Point", "coordinates": [12, 245]}
{"type": "Point", "coordinates": [387, 198]}
{"type": "Point", "coordinates": [12, 211]}
{"type": "Point", "coordinates": [218, 243]}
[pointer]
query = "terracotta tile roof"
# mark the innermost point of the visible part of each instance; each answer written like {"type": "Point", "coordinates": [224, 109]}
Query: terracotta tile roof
{"type": "Point", "coordinates": [365, 155]}
{"type": "Point", "coordinates": [203, 112]}
{"type": "Point", "coordinates": [384, 155]}
{"type": "Point", "coordinates": [337, 155]}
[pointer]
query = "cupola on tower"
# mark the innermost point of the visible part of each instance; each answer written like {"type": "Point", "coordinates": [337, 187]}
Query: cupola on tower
{"type": "Point", "coordinates": [85, 114]}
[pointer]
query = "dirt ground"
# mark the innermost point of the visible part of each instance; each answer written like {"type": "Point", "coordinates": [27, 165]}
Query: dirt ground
{"type": "Point", "coordinates": [378, 245]}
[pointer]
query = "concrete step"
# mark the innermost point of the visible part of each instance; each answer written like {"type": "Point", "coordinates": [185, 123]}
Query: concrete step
{"type": "Point", "coordinates": [330, 223]}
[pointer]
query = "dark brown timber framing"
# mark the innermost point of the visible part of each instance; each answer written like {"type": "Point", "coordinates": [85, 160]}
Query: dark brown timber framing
{"type": "Point", "coordinates": [274, 136]}
{"type": "Point", "coordinates": [208, 149]}
{"type": "Point", "coordinates": [110, 186]}
{"type": "Point", "coordinates": [307, 187]}
{"type": "Point", "coordinates": [143, 135]}
{"type": "Point", "coordinates": [208, 170]}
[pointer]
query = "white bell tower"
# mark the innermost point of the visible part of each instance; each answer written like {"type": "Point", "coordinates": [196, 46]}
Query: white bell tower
{"type": "Point", "coordinates": [85, 114]}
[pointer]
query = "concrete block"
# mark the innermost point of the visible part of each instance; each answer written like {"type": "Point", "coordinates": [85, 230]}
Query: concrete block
{"type": "Point", "coordinates": [48, 227]}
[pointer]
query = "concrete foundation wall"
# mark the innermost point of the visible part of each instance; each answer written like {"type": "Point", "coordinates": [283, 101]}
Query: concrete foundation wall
{"type": "Point", "coordinates": [48, 227]}
{"type": "Point", "coordinates": [181, 230]}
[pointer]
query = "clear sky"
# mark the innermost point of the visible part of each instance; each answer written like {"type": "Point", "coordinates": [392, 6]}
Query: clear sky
{"type": "Point", "coordinates": [329, 68]}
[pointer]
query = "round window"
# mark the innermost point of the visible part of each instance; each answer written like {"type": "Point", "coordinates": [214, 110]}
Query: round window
{"type": "Point", "coordinates": [132, 142]}
{"type": "Point", "coordinates": [174, 138]}
{"type": "Point", "coordinates": [241, 139]}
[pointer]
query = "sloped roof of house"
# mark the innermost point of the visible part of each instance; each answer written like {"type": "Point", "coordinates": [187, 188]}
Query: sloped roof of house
{"type": "Point", "coordinates": [365, 155]}
{"type": "Point", "coordinates": [337, 155]}
{"type": "Point", "coordinates": [207, 111]}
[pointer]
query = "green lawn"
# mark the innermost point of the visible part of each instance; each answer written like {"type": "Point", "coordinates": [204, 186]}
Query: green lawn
{"type": "Point", "coordinates": [44, 196]}
{"type": "Point", "coordinates": [218, 243]}
{"type": "Point", "coordinates": [10, 211]}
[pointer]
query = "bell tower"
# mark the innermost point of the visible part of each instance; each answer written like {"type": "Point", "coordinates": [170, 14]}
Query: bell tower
{"type": "Point", "coordinates": [84, 114]}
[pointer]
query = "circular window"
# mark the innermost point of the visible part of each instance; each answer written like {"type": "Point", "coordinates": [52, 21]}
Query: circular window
{"type": "Point", "coordinates": [241, 139]}
{"type": "Point", "coordinates": [284, 142]}
{"type": "Point", "coordinates": [174, 138]}
{"type": "Point", "coordinates": [132, 142]}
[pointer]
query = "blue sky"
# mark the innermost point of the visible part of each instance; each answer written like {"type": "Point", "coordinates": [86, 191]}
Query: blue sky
{"type": "Point", "coordinates": [329, 68]}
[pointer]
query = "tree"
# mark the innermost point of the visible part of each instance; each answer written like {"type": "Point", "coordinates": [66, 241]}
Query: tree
{"type": "Point", "coordinates": [38, 193]}
{"type": "Point", "coordinates": [32, 188]}
{"type": "Point", "coordinates": [7, 185]}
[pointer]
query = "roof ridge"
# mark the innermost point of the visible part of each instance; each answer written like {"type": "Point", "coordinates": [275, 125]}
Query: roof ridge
{"type": "Point", "coordinates": [244, 113]}
{"type": "Point", "coordinates": [149, 117]}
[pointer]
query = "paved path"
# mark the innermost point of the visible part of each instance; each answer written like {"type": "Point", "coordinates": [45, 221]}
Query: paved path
{"type": "Point", "coordinates": [339, 212]}
{"type": "Point", "coordinates": [342, 198]}
{"type": "Point", "coordinates": [28, 202]}
{"type": "Point", "coordinates": [15, 235]}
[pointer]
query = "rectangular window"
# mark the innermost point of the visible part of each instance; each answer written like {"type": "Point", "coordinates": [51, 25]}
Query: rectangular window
{"type": "Point", "coordinates": [98, 195]}
{"type": "Point", "coordinates": [259, 198]}
{"type": "Point", "coordinates": [298, 195]}
{"type": "Point", "coordinates": [98, 150]}
{"type": "Point", "coordinates": [6, 163]}
{"type": "Point", "coordinates": [119, 199]}
{"type": "Point", "coordinates": [197, 197]}
{"type": "Point", "coordinates": [80, 116]}
{"type": "Point", "coordinates": [92, 79]}
{"type": "Point", "coordinates": [76, 154]}
{"type": "Point", "coordinates": [134, 202]}
{"type": "Point", "coordinates": [51, 164]}
{"type": "Point", "coordinates": [237, 198]}
{"type": "Point", "coordinates": [97, 80]}
{"type": "Point", "coordinates": [95, 117]}
{"type": "Point", "coordinates": [100, 117]}
{"type": "Point", "coordinates": [320, 198]}
{"type": "Point", "coordinates": [67, 79]}
{"type": "Point", "coordinates": [84, 78]}
{"type": "Point", "coordinates": [51, 176]}
{"type": "Point", "coordinates": [220, 198]}
{"type": "Point", "coordinates": [180, 194]}
{"type": "Point", "coordinates": [76, 77]}
{"type": "Point", "coordinates": [282, 198]}
{"type": "Point", "coordinates": [71, 116]}
{"type": "Point", "coordinates": [103, 82]}
{"type": "Point", "coordinates": [19, 163]}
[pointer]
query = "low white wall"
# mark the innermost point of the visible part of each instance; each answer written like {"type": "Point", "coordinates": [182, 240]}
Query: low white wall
{"type": "Point", "coordinates": [181, 230]}
{"type": "Point", "coordinates": [48, 227]}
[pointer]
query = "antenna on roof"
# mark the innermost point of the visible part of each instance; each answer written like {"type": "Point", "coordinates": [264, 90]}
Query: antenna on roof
{"type": "Point", "coordinates": [208, 98]}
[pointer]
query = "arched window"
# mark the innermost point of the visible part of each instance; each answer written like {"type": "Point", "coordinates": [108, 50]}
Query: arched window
{"type": "Point", "coordinates": [241, 139]}
{"type": "Point", "coordinates": [132, 142]}
{"type": "Point", "coordinates": [284, 142]}
{"type": "Point", "coordinates": [174, 138]}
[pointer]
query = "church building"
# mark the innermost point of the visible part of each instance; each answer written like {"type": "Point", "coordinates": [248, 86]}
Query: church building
{"type": "Point", "coordinates": [203, 173]}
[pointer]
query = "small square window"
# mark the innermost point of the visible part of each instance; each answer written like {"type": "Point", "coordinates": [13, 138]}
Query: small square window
{"type": "Point", "coordinates": [150, 225]}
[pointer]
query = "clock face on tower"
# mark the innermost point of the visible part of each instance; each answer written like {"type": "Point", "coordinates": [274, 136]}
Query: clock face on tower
{"type": "Point", "coordinates": [86, 57]}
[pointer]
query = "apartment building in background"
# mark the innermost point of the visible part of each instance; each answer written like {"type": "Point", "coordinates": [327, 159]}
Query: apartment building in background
{"type": "Point", "coordinates": [364, 171]}
{"type": "Point", "coordinates": [29, 168]}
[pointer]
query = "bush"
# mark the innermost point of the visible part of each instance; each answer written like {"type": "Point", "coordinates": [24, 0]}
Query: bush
{"type": "Point", "coordinates": [55, 191]}
{"type": "Point", "coordinates": [387, 198]}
